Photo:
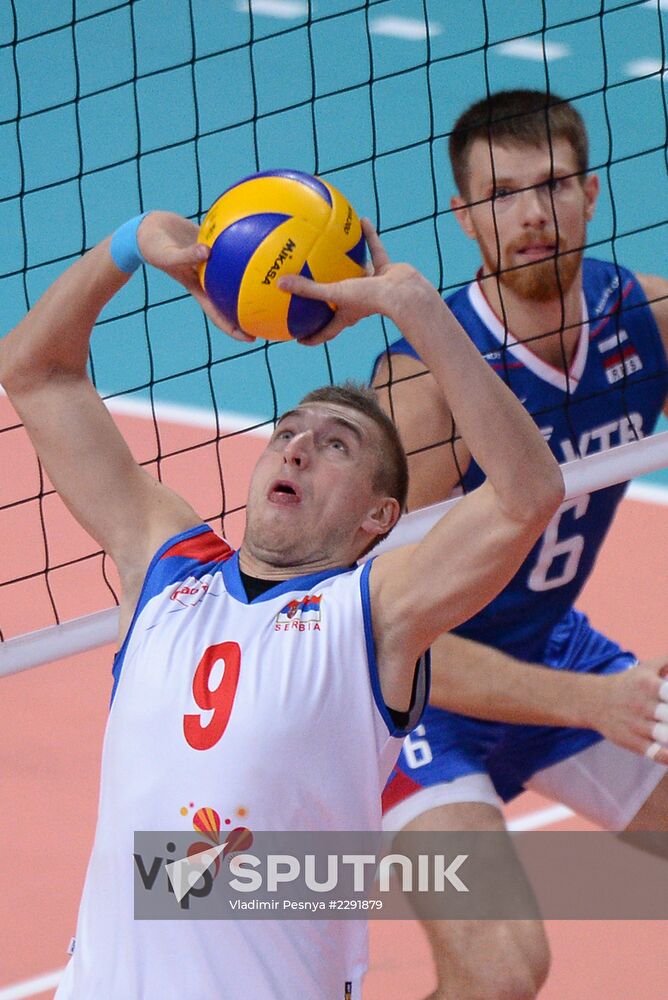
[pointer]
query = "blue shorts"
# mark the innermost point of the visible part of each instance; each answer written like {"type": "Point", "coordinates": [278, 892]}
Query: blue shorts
{"type": "Point", "coordinates": [447, 745]}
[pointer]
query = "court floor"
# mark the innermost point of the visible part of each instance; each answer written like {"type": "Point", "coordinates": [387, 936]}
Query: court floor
{"type": "Point", "coordinates": [51, 727]}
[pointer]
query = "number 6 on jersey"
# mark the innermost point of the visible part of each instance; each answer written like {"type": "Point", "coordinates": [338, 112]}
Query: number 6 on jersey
{"type": "Point", "coordinates": [219, 699]}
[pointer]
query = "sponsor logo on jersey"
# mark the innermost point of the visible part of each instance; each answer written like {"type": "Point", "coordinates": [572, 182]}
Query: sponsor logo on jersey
{"type": "Point", "coordinates": [613, 342]}
{"type": "Point", "coordinates": [619, 361]}
{"type": "Point", "coordinates": [191, 591]}
{"type": "Point", "coordinates": [303, 615]}
{"type": "Point", "coordinates": [620, 431]}
{"type": "Point", "coordinates": [607, 292]}
{"type": "Point", "coordinates": [626, 362]}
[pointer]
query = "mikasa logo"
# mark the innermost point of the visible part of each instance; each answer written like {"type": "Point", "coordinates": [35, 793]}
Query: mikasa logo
{"type": "Point", "coordinates": [285, 254]}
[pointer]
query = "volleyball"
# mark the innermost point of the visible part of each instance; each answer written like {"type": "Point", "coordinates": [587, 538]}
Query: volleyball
{"type": "Point", "coordinates": [273, 223]}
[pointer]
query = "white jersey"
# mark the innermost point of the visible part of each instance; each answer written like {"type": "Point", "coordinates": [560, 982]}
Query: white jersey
{"type": "Point", "coordinates": [262, 715]}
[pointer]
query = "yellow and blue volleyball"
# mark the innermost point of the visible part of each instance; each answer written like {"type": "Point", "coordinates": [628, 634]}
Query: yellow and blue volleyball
{"type": "Point", "coordinates": [273, 223]}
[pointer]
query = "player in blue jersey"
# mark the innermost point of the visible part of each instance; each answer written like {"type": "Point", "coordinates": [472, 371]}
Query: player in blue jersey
{"type": "Point", "coordinates": [582, 343]}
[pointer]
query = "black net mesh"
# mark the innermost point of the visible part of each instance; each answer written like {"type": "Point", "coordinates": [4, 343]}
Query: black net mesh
{"type": "Point", "coordinates": [110, 108]}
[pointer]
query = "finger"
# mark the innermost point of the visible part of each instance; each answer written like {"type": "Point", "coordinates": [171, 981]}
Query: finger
{"type": "Point", "coordinates": [660, 732]}
{"type": "Point", "coordinates": [379, 255]}
{"type": "Point", "coordinates": [637, 743]}
{"type": "Point", "coordinates": [663, 691]}
{"type": "Point", "coordinates": [661, 711]}
{"type": "Point", "coordinates": [333, 329]}
{"type": "Point", "coordinates": [191, 256]}
{"type": "Point", "coordinates": [189, 278]}
{"type": "Point", "coordinates": [295, 284]}
{"type": "Point", "coordinates": [654, 750]}
{"type": "Point", "coordinates": [217, 317]}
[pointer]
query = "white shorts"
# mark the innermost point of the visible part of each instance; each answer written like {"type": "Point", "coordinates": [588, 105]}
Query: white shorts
{"type": "Point", "coordinates": [603, 783]}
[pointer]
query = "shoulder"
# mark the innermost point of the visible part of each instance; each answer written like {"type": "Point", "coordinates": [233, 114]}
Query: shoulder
{"type": "Point", "coordinates": [199, 545]}
{"type": "Point", "coordinates": [185, 563]}
{"type": "Point", "coordinates": [609, 287]}
{"type": "Point", "coordinates": [655, 289]}
{"type": "Point", "coordinates": [603, 282]}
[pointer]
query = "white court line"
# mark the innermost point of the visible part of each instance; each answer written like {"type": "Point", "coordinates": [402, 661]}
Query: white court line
{"type": "Point", "coordinates": [286, 9]}
{"type": "Point", "coordinates": [409, 28]}
{"type": "Point", "coordinates": [189, 416]}
{"type": "Point", "coordinates": [646, 67]}
{"type": "Point", "coordinates": [198, 416]}
{"type": "Point", "coordinates": [194, 416]}
{"type": "Point", "coordinates": [530, 48]}
{"type": "Point", "coordinates": [532, 821]}
{"type": "Point", "coordinates": [648, 493]}
{"type": "Point", "coordinates": [32, 987]}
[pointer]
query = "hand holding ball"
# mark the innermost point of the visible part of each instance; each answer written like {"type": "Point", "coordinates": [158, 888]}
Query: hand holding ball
{"type": "Point", "coordinates": [273, 223]}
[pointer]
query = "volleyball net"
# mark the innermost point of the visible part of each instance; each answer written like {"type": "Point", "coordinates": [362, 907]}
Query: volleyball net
{"type": "Point", "coordinates": [115, 108]}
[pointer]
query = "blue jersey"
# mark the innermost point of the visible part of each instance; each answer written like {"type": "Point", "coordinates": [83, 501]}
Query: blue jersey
{"type": "Point", "coordinates": [613, 393]}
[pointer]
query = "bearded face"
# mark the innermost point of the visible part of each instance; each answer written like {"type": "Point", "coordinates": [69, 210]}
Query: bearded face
{"type": "Point", "coordinates": [528, 274]}
{"type": "Point", "coordinates": [528, 210]}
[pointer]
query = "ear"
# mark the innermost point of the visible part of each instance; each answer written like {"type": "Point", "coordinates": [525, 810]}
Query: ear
{"type": "Point", "coordinates": [382, 517]}
{"type": "Point", "coordinates": [462, 213]}
{"type": "Point", "coordinates": [592, 187]}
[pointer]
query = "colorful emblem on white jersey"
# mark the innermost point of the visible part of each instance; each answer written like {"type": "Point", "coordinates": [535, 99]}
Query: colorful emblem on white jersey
{"type": "Point", "coordinates": [206, 821]}
{"type": "Point", "coordinates": [302, 615]}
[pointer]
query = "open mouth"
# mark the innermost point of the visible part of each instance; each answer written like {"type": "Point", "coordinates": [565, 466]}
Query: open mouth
{"type": "Point", "coordinates": [284, 493]}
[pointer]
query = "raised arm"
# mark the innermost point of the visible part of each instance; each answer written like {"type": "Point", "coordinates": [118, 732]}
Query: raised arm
{"type": "Point", "coordinates": [420, 591]}
{"type": "Point", "coordinates": [43, 369]}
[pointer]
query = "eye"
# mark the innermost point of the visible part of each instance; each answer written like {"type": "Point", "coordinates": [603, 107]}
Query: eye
{"type": "Point", "coordinates": [500, 193]}
{"type": "Point", "coordinates": [283, 434]}
{"type": "Point", "coordinates": [555, 183]}
{"type": "Point", "coordinates": [336, 444]}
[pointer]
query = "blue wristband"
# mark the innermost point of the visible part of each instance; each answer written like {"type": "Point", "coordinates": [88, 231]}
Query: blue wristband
{"type": "Point", "coordinates": [124, 249]}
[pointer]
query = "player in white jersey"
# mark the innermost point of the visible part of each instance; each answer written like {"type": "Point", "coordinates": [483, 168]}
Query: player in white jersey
{"type": "Point", "coordinates": [583, 344]}
{"type": "Point", "coordinates": [252, 688]}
